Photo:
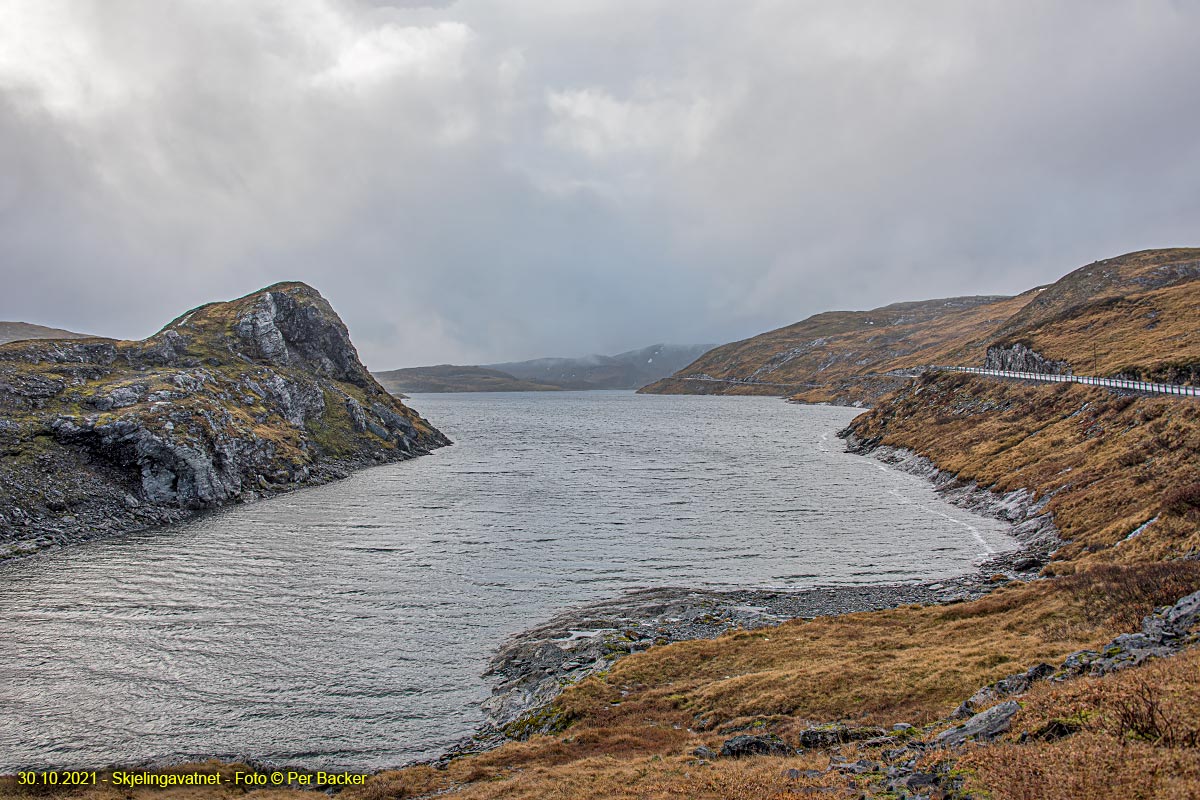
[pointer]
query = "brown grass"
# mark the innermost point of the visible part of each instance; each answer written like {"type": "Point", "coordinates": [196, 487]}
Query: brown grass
{"type": "Point", "coordinates": [1137, 735]}
{"type": "Point", "coordinates": [636, 726]}
{"type": "Point", "coordinates": [828, 355]}
{"type": "Point", "coordinates": [1131, 315]}
{"type": "Point", "coordinates": [1147, 335]}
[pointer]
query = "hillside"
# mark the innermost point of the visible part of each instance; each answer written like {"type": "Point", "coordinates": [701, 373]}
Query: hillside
{"type": "Point", "coordinates": [229, 402]}
{"type": "Point", "coordinates": [17, 331]}
{"type": "Point", "coordinates": [629, 370]}
{"type": "Point", "coordinates": [1130, 316]}
{"type": "Point", "coordinates": [451, 378]}
{"type": "Point", "coordinates": [852, 692]}
{"type": "Point", "coordinates": [1123, 276]}
{"type": "Point", "coordinates": [1107, 465]}
{"type": "Point", "coordinates": [838, 348]}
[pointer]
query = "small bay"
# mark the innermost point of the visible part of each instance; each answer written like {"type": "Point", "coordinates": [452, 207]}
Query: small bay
{"type": "Point", "coordinates": [347, 626]}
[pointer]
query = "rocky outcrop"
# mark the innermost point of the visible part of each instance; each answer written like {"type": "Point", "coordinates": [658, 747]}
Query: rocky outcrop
{"type": "Point", "coordinates": [1013, 684]}
{"type": "Point", "coordinates": [284, 328]}
{"type": "Point", "coordinates": [1164, 633]}
{"type": "Point", "coordinates": [230, 402]}
{"type": "Point", "coordinates": [767, 744]}
{"type": "Point", "coordinates": [984, 726]}
{"type": "Point", "coordinates": [1019, 358]}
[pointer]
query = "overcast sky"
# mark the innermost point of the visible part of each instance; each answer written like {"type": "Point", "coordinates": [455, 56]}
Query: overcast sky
{"type": "Point", "coordinates": [482, 181]}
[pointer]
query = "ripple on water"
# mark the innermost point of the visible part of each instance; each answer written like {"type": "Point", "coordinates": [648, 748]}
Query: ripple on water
{"type": "Point", "coordinates": [347, 626]}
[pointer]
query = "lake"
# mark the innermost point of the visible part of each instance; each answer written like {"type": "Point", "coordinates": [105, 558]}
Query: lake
{"type": "Point", "coordinates": [346, 626]}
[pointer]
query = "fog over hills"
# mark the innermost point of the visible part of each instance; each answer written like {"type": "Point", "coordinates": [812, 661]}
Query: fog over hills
{"type": "Point", "coordinates": [629, 370]}
{"type": "Point", "coordinates": [473, 182]}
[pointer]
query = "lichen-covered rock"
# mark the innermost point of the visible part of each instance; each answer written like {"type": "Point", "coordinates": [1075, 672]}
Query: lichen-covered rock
{"type": "Point", "coordinates": [750, 745]}
{"type": "Point", "coordinates": [1006, 687]}
{"type": "Point", "coordinates": [984, 726]}
{"type": "Point", "coordinates": [1178, 620]}
{"type": "Point", "coordinates": [835, 734]}
{"type": "Point", "coordinates": [283, 327]}
{"type": "Point", "coordinates": [229, 402]}
{"type": "Point", "coordinates": [1164, 633]}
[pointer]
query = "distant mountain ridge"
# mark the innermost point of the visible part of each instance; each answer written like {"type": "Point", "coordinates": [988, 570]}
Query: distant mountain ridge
{"type": "Point", "coordinates": [629, 370]}
{"type": "Point", "coordinates": [452, 378]}
{"type": "Point", "coordinates": [632, 369]}
{"type": "Point", "coordinates": [1133, 315]}
{"type": "Point", "coordinates": [19, 331]}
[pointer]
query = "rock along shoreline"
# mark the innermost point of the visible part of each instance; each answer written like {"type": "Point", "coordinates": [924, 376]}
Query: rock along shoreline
{"type": "Point", "coordinates": [532, 668]}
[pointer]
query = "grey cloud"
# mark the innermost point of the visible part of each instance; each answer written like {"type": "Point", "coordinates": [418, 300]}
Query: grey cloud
{"type": "Point", "coordinates": [474, 182]}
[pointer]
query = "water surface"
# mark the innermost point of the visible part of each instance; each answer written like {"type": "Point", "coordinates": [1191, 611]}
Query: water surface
{"type": "Point", "coordinates": [346, 626]}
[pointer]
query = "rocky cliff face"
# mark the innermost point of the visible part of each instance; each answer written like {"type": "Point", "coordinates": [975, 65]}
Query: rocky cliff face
{"type": "Point", "coordinates": [228, 403]}
{"type": "Point", "coordinates": [1019, 358]}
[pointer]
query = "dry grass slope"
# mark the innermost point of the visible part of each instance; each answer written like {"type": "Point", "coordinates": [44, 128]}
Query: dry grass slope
{"type": "Point", "coordinates": [1112, 465]}
{"type": "Point", "coordinates": [1134, 734]}
{"type": "Point", "coordinates": [17, 331]}
{"type": "Point", "coordinates": [823, 352]}
{"type": "Point", "coordinates": [1133, 315]}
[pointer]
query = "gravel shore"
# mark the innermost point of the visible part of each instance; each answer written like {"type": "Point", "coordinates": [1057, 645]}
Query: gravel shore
{"type": "Point", "coordinates": [532, 668]}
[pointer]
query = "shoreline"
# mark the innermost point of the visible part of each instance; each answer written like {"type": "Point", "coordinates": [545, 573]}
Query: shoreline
{"type": "Point", "coordinates": [532, 668]}
{"type": "Point", "coordinates": [113, 519]}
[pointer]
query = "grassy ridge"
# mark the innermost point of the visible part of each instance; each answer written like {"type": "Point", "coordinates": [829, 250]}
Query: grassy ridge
{"type": "Point", "coordinates": [1133, 315]}
{"type": "Point", "coordinates": [16, 331]}
{"type": "Point", "coordinates": [827, 350]}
